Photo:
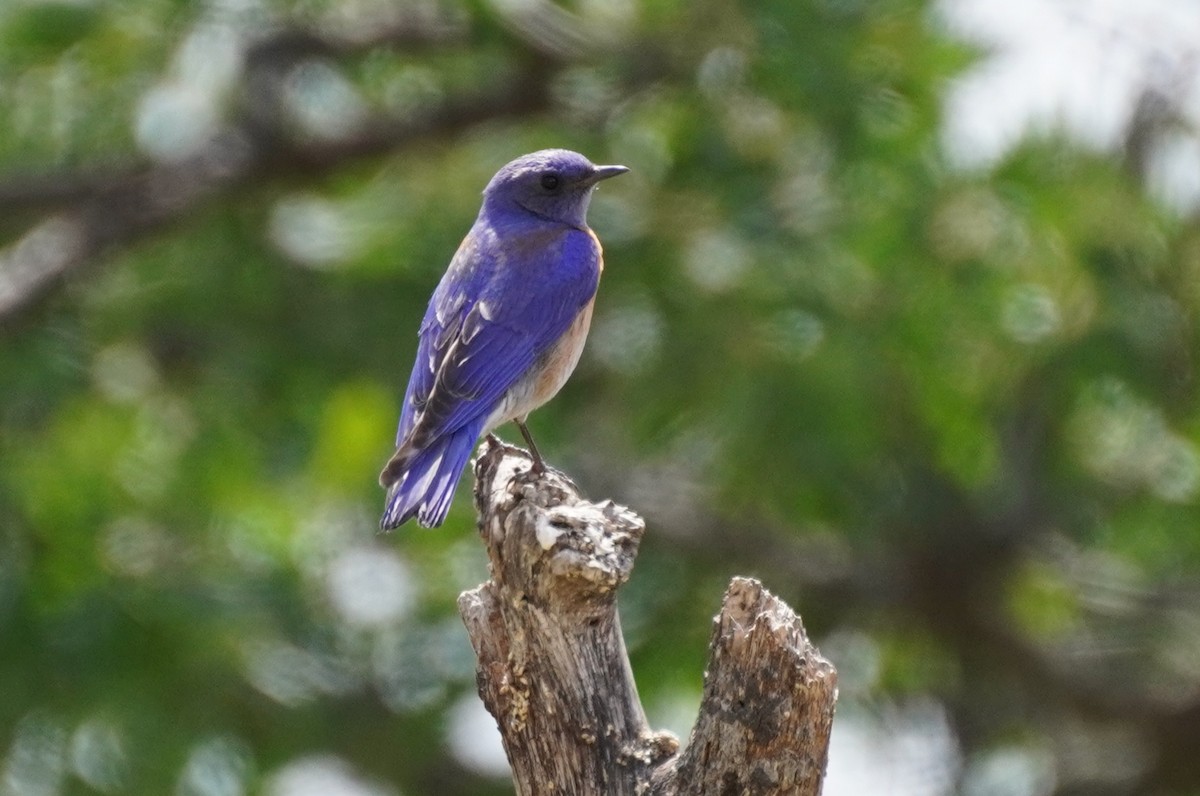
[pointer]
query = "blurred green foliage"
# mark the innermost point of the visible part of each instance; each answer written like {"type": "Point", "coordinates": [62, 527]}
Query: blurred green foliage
{"type": "Point", "coordinates": [951, 415]}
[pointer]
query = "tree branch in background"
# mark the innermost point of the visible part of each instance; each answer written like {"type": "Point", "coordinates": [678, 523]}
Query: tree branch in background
{"type": "Point", "coordinates": [100, 216]}
{"type": "Point", "coordinates": [553, 670]}
{"type": "Point", "coordinates": [88, 213]}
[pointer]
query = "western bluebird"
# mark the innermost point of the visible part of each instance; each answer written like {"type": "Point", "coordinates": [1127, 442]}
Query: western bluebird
{"type": "Point", "coordinates": [503, 330]}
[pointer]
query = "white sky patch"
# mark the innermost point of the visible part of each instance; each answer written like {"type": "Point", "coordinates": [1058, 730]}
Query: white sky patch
{"type": "Point", "coordinates": [322, 775]}
{"type": "Point", "coordinates": [98, 755]}
{"type": "Point", "coordinates": [370, 585]}
{"type": "Point", "coordinates": [1077, 67]}
{"type": "Point", "coordinates": [475, 740]}
{"type": "Point", "coordinates": [292, 675]}
{"type": "Point", "coordinates": [174, 121]}
{"type": "Point", "coordinates": [323, 101]}
{"type": "Point", "coordinates": [1010, 771]}
{"type": "Point", "coordinates": [314, 231]}
{"type": "Point", "coordinates": [898, 750]}
{"type": "Point", "coordinates": [35, 764]}
{"type": "Point", "coordinates": [218, 766]}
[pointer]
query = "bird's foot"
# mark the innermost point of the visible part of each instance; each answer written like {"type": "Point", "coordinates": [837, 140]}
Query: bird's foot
{"type": "Point", "coordinates": [539, 466]}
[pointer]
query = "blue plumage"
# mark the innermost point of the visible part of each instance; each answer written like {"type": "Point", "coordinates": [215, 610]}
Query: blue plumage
{"type": "Point", "coordinates": [503, 329]}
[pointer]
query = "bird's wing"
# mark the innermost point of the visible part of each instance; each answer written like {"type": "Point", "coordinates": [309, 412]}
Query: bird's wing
{"type": "Point", "coordinates": [499, 307]}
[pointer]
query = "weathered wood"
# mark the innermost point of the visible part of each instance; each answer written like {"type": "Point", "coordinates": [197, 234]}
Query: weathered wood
{"type": "Point", "coordinates": [767, 709]}
{"type": "Point", "coordinates": [553, 670]}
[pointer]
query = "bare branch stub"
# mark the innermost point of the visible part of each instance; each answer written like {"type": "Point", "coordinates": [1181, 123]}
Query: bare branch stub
{"type": "Point", "coordinates": [553, 668]}
{"type": "Point", "coordinates": [554, 672]}
{"type": "Point", "coordinates": [767, 709]}
{"type": "Point", "coordinates": [89, 213]}
{"type": "Point", "coordinates": [58, 224]}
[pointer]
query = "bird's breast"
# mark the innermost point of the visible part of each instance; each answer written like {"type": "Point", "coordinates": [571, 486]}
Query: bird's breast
{"type": "Point", "coordinates": [559, 362]}
{"type": "Point", "coordinates": [599, 251]}
{"type": "Point", "coordinates": [547, 376]}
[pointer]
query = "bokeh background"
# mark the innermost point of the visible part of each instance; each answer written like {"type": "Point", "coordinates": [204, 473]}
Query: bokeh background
{"type": "Point", "coordinates": [900, 316]}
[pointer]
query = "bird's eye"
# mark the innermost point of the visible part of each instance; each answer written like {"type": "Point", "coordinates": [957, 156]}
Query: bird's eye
{"type": "Point", "coordinates": [550, 182]}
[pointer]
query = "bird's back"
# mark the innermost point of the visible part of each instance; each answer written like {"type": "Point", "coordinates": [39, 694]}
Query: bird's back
{"type": "Point", "coordinates": [503, 332]}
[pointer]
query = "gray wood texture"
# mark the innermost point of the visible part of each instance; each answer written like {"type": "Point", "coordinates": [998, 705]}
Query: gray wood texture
{"type": "Point", "coordinates": [553, 670]}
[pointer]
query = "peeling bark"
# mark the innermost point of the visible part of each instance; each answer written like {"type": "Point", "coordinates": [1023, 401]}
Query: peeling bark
{"type": "Point", "coordinates": [553, 670]}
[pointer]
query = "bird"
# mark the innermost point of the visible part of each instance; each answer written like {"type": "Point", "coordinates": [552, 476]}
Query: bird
{"type": "Point", "coordinates": [503, 331]}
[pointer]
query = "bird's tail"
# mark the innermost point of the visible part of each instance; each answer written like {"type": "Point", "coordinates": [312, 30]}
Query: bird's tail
{"type": "Point", "coordinates": [421, 482]}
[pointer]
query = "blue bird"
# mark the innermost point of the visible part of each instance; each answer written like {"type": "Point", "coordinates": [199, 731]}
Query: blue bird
{"type": "Point", "coordinates": [504, 328]}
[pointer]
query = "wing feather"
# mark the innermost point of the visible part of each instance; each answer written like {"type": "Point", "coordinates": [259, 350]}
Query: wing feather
{"type": "Point", "coordinates": [499, 308]}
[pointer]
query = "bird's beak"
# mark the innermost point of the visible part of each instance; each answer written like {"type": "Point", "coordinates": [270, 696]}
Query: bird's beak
{"type": "Point", "coordinates": [604, 172]}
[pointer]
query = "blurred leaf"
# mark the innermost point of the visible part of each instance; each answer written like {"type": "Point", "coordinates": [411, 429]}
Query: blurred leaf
{"type": "Point", "coordinates": [355, 419]}
{"type": "Point", "coordinates": [1042, 602]}
{"type": "Point", "coordinates": [40, 30]}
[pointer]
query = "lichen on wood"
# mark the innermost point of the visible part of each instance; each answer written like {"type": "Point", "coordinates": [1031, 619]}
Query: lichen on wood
{"type": "Point", "coordinates": [554, 672]}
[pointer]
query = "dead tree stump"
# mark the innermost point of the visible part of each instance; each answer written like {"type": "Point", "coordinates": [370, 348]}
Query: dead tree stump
{"type": "Point", "coordinates": [553, 670]}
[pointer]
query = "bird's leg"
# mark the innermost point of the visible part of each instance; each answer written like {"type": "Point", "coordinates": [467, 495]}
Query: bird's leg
{"type": "Point", "coordinates": [538, 465]}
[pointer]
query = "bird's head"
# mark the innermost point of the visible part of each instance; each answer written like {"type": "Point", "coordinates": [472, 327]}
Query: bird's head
{"type": "Point", "coordinates": [555, 184]}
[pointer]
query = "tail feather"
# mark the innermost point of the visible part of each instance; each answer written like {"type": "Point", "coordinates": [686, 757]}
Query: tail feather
{"type": "Point", "coordinates": [422, 482]}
